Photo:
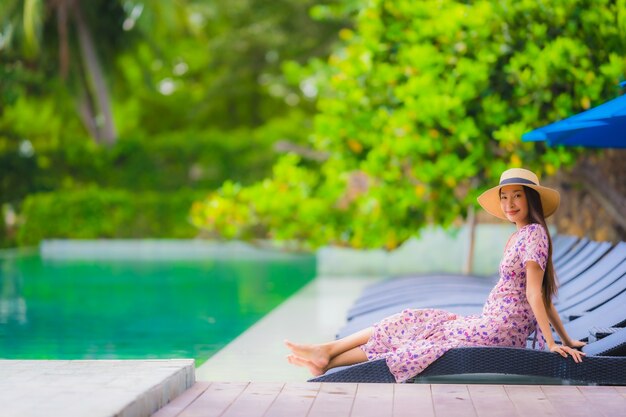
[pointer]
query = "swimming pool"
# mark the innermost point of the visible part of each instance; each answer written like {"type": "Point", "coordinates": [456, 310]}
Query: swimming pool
{"type": "Point", "coordinates": [131, 306]}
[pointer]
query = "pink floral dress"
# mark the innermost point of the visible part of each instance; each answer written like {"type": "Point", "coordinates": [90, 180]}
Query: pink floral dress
{"type": "Point", "coordinates": [413, 339]}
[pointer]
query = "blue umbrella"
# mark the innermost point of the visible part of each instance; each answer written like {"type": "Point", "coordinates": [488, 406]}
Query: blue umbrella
{"type": "Point", "coordinates": [603, 126]}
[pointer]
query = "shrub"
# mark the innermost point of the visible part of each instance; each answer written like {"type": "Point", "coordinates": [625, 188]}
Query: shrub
{"type": "Point", "coordinates": [93, 213]}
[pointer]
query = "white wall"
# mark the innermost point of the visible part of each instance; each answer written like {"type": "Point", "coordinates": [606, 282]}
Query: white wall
{"type": "Point", "coordinates": [435, 250]}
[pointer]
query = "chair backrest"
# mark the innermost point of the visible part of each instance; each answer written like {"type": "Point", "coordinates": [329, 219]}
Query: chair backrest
{"type": "Point", "coordinates": [561, 244]}
{"type": "Point", "coordinates": [403, 282]}
{"type": "Point", "coordinates": [592, 253]}
{"type": "Point", "coordinates": [610, 314]}
{"type": "Point", "coordinates": [424, 283]}
{"type": "Point", "coordinates": [612, 345]}
{"type": "Point", "coordinates": [595, 277]}
{"type": "Point", "coordinates": [571, 254]}
{"type": "Point", "coordinates": [586, 302]}
{"type": "Point", "coordinates": [416, 293]}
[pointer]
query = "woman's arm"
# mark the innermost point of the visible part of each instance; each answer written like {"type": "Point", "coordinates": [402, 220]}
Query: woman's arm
{"type": "Point", "coordinates": [534, 278]}
{"type": "Point", "coordinates": [556, 322]}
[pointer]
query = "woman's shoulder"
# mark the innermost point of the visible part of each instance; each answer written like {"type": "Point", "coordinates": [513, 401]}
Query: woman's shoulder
{"type": "Point", "coordinates": [533, 230]}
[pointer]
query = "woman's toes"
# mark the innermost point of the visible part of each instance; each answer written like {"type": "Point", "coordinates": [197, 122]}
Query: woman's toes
{"type": "Point", "coordinates": [314, 369]}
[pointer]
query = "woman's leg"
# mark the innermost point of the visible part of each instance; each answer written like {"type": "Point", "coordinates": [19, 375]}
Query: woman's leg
{"type": "Point", "coordinates": [352, 356]}
{"type": "Point", "coordinates": [340, 352]}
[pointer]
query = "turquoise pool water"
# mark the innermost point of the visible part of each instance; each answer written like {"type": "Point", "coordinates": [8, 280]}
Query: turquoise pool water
{"type": "Point", "coordinates": [137, 308]}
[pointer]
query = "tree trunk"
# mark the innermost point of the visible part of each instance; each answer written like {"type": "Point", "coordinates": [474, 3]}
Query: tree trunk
{"type": "Point", "coordinates": [471, 225]}
{"type": "Point", "coordinates": [64, 47]}
{"type": "Point", "coordinates": [86, 113]}
{"type": "Point", "coordinates": [95, 80]}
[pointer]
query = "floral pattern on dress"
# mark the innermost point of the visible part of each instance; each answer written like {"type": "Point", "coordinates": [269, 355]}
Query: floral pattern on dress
{"type": "Point", "coordinates": [413, 339]}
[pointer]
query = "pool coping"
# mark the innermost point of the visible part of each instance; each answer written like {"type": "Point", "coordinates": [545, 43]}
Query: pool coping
{"type": "Point", "coordinates": [311, 315]}
{"type": "Point", "coordinates": [95, 388]}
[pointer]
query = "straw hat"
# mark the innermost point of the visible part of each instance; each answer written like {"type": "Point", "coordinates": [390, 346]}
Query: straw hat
{"type": "Point", "coordinates": [490, 199]}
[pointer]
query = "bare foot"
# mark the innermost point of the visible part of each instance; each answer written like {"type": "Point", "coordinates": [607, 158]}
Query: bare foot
{"type": "Point", "coordinates": [314, 369]}
{"type": "Point", "coordinates": [316, 354]}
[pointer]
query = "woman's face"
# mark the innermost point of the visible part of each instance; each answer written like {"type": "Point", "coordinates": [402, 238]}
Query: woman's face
{"type": "Point", "coordinates": [514, 204]}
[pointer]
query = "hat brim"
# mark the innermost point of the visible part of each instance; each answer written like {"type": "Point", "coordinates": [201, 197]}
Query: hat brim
{"type": "Point", "coordinates": [490, 200]}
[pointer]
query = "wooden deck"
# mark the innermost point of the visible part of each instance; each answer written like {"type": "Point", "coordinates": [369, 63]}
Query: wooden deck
{"type": "Point", "coordinates": [228, 399]}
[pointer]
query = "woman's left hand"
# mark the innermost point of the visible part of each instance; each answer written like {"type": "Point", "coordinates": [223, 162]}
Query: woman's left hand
{"type": "Point", "coordinates": [566, 350]}
{"type": "Point", "coordinates": [576, 344]}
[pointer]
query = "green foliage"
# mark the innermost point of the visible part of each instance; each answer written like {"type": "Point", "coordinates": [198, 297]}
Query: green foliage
{"type": "Point", "coordinates": [201, 159]}
{"type": "Point", "coordinates": [197, 92]}
{"type": "Point", "coordinates": [423, 106]}
{"type": "Point", "coordinates": [94, 213]}
{"type": "Point", "coordinates": [223, 68]}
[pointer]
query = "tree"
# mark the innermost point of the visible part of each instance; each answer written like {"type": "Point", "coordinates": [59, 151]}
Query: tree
{"type": "Point", "coordinates": [195, 89]}
{"type": "Point", "coordinates": [227, 64]}
{"type": "Point", "coordinates": [67, 27]}
{"type": "Point", "coordinates": [424, 106]}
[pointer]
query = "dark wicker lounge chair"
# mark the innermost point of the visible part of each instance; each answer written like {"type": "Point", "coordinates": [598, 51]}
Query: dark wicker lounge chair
{"type": "Point", "coordinates": [606, 313]}
{"type": "Point", "coordinates": [593, 292]}
{"type": "Point", "coordinates": [604, 364]}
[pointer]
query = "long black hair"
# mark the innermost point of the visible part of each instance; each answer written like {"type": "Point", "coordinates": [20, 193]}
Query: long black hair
{"type": "Point", "coordinates": [535, 215]}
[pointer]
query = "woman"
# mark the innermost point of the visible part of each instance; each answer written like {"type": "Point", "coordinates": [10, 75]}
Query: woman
{"type": "Point", "coordinates": [520, 302]}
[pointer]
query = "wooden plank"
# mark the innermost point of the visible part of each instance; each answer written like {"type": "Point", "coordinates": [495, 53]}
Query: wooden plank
{"type": "Point", "coordinates": [373, 400]}
{"type": "Point", "coordinates": [530, 401]}
{"type": "Point", "coordinates": [491, 401]}
{"type": "Point", "coordinates": [569, 401]}
{"type": "Point", "coordinates": [333, 400]}
{"type": "Point", "coordinates": [255, 400]}
{"type": "Point", "coordinates": [412, 400]}
{"type": "Point", "coordinates": [294, 400]}
{"type": "Point", "coordinates": [215, 399]}
{"type": "Point", "coordinates": [607, 401]}
{"type": "Point", "coordinates": [176, 406]}
{"type": "Point", "coordinates": [452, 400]}
{"type": "Point", "coordinates": [225, 399]}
